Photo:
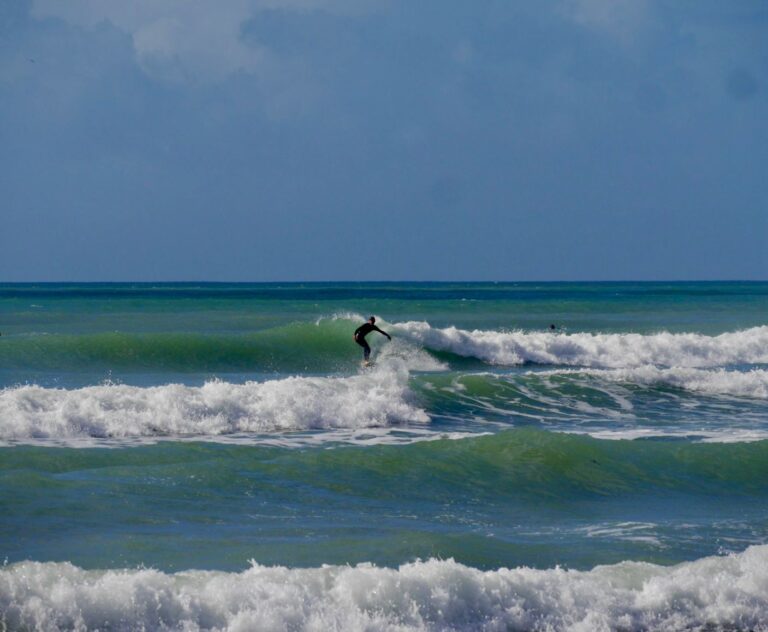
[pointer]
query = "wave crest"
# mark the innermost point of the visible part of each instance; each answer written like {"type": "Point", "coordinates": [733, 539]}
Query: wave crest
{"type": "Point", "coordinates": [749, 346]}
{"type": "Point", "coordinates": [713, 593]}
{"type": "Point", "coordinates": [216, 408]}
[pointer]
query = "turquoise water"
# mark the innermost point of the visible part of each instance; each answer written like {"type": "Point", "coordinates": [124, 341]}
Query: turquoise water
{"type": "Point", "coordinates": [231, 429]}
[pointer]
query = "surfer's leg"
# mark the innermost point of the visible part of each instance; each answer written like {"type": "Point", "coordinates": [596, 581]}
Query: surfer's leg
{"type": "Point", "coordinates": [366, 349]}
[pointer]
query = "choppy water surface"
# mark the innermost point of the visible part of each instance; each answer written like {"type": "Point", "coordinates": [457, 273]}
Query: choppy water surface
{"type": "Point", "coordinates": [214, 457]}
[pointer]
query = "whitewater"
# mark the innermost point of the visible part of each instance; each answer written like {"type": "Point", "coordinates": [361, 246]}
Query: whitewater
{"type": "Point", "coordinates": [214, 457]}
{"type": "Point", "coordinates": [595, 350]}
{"type": "Point", "coordinates": [217, 407]}
{"type": "Point", "coordinates": [726, 592]}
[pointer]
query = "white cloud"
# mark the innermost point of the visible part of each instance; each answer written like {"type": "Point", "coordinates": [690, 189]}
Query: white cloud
{"type": "Point", "coordinates": [186, 40]}
{"type": "Point", "coordinates": [175, 39]}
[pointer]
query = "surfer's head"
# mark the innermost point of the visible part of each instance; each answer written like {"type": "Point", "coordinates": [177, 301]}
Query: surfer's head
{"type": "Point", "coordinates": [372, 320]}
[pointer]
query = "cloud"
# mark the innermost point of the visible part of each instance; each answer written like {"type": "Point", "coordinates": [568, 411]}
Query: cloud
{"type": "Point", "coordinates": [266, 127]}
{"type": "Point", "coordinates": [187, 40]}
{"type": "Point", "coordinates": [173, 40]}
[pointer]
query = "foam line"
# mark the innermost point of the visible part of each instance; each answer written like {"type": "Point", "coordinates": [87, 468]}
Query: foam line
{"type": "Point", "coordinates": [752, 383]}
{"type": "Point", "coordinates": [711, 593]}
{"type": "Point", "coordinates": [749, 346]}
{"type": "Point", "coordinates": [216, 408]}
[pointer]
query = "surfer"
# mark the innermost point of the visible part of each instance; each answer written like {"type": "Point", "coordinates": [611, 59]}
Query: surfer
{"type": "Point", "coordinates": [362, 331]}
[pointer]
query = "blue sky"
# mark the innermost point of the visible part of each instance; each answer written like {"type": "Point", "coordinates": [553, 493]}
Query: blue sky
{"type": "Point", "coordinates": [383, 139]}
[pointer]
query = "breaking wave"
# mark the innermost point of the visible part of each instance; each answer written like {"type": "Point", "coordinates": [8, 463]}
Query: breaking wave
{"type": "Point", "coordinates": [749, 346]}
{"type": "Point", "coordinates": [713, 593]}
{"type": "Point", "coordinates": [375, 399]}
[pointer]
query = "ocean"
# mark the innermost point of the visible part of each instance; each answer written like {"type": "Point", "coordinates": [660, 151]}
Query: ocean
{"type": "Point", "coordinates": [195, 456]}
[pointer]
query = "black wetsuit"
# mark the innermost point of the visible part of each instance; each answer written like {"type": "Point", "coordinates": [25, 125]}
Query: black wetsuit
{"type": "Point", "coordinates": [361, 332]}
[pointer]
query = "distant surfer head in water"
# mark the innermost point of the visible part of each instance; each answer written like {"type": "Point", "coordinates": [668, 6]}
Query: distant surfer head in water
{"type": "Point", "coordinates": [362, 331]}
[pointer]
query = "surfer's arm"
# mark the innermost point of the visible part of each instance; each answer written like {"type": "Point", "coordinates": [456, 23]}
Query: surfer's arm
{"type": "Point", "coordinates": [383, 332]}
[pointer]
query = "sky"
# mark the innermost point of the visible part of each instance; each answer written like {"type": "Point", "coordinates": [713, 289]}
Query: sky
{"type": "Point", "coordinates": [310, 140]}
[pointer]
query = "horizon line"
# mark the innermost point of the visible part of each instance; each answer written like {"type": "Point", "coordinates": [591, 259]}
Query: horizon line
{"type": "Point", "coordinates": [226, 282]}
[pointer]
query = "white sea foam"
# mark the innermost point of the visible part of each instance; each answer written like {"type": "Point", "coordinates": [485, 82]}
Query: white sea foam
{"type": "Point", "coordinates": [628, 531]}
{"type": "Point", "coordinates": [375, 399]}
{"type": "Point", "coordinates": [721, 435]}
{"type": "Point", "coordinates": [749, 346]}
{"type": "Point", "coordinates": [752, 383]}
{"type": "Point", "coordinates": [414, 358]}
{"type": "Point", "coordinates": [729, 592]}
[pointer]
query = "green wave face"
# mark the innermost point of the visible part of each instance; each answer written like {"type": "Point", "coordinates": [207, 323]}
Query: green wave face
{"type": "Point", "coordinates": [539, 465]}
{"type": "Point", "coordinates": [521, 464]}
{"type": "Point", "coordinates": [521, 497]}
{"type": "Point", "coordinates": [324, 346]}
